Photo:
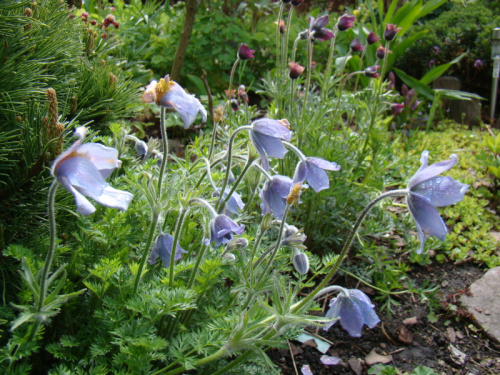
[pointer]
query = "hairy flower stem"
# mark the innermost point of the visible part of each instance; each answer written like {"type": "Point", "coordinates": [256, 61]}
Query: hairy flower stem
{"type": "Point", "coordinates": [230, 95]}
{"type": "Point", "coordinates": [164, 140]}
{"type": "Point", "coordinates": [329, 63]}
{"type": "Point", "coordinates": [245, 169]}
{"type": "Point", "coordinates": [360, 66]}
{"type": "Point", "coordinates": [229, 160]}
{"type": "Point", "coordinates": [287, 37]}
{"type": "Point", "coordinates": [152, 231]}
{"type": "Point", "coordinates": [337, 106]}
{"type": "Point", "coordinates": [277, 246]}
{"type": "Point", "coordinates": [214, 136]}
{"type": "Point", "coordinates": [278, 43]}
{"type": "Point", "coordinates": [178, 229]}
{"type": "Point", "coordinates": [297, 152]}
{"type": "Point", "coordinates": [52, 244]}
{"type": "Point", "coordinates": [308, 84]}
{"type": "Point", "coordinates": [347, 247]}
{"type": "Point", "coordinates": [217, 355]}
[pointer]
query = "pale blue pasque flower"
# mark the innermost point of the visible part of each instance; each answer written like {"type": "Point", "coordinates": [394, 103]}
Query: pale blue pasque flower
{"type": "Point", "coordinates": [223, 229]}
{"type": "Point", "coordinates": [83, 169]}
{"type": "Point", "coordinates": [163, 248]}
{"type": "Point", "coordinates": [170, 94]}
{"type": "Point", "coordinates": [234, 204]}
{"type": "Point", "coordinates": [312, 170]}
{"type": "Point", "coordinates": [426, 191]}
{"type": "Point", "coordinates": [274, 194]}
{"type": "Point", "coordinates": [266, 136]}
{"type": "Point", "coordinates": [354, 309]}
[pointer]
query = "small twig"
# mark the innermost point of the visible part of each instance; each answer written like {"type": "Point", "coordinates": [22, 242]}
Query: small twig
{"type": "Point", "coordinates": [391, 340]}
{"type": "Point", "coordinates": [293, 357]}
{"type": "Point", "coordinates": [320, 337]}
{"type": "Point", "coordinates": [397, 351]}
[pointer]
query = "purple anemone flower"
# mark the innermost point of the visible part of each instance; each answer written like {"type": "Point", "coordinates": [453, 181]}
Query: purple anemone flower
{"type": "Point", "coordinates": [312, 170]}
{"type": "Point", "coordinates": [170, 94]}
{"type": "Point", "coordinates": [345, 22]}
{"type": "Point", "coordinates": [356, 46]}
{"type": "Point", "coordinates": [372, 71]}
{"type": "Point", "coordinates": [426, 191]}
{"type": "Point", "coordinates": [223, 229]}
{"type": "Point", "coordinates": [353, 311]}
{"type": "Point", "coordinates": [234, 204]}
{"type": "Point", "coordinates": [391, 31]}
{"type": "Point", "coordinates": [245, 53]}
{"type": "Point", "coordinates": [295, 70]}
{"type": "Point", "coordinates": [266, 136]}
{"type": "Point", "coordinates": [83, 169]}
{"type": "Point", "coordinates": [274, 194]}
{"type": "Point", "coordinates": [163, 248]}
{"type": "Point", "coordinates": [478, 64]}
{"type": "Point", "coordinates": [317, 28]}
{"type": "Point", "coordinates": [372, 38]}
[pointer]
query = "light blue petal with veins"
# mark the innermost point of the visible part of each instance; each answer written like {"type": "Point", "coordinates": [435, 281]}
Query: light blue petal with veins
{"type": "Point", "coordinates": [351, 317]}
{"type": "Point", "coordinates": [317, 177]}
{"type": "Point", "coordinates": [272, 128]}
{"type": "Point", "coordinates": [104, 158]}
{"type": "Point", "coordinates": [185, 104]}
{"type": "Point", "coordinates": [427, 216]}
{"type": "Point", "coordinates": [427, 172]}
{"type": "Point", "coordinates": [441, 191]}
{"type": "Point", "coordinates": [82, 174]}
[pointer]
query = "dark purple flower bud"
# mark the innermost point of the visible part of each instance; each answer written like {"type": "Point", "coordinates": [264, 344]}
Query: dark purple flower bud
{"type": "Point", "coordinates": [295, 70]}
{"type": "Point", "coordinates": [353, 310]}
{"type": "Point", "coordinates": [372, 71]}
{"type": "Point", "coordinates": [436, 49]}
{"type": "Point", "coordinates": [392, 79]}
{"type": "Point", "coordinates": [382, 52]}
{"type": "Point", "coordinates": [356, 46]}
{"type": "Point", "coordinates": [345, 22]}
{"type": "Point", "coordinates": [372, 38]}
{"type": "Point", "coordinates": [312, 170]}
{"type": "Point", "coordinates": [223, 229]}
{"type": "Point", "coordinates": [396, 108]}
{"type": "Point", "coordinates": [245, 53]}
{"type": "Point", "coordinates": [274, 194]}
{"type": "Point", "coordinates": [296, 3]}
{"type": "Point", "coordinates": [426, 191]}
{"type": "Point", "coordinates": [266, 136]}
{"type": "Point", "coordinates": [282, 26]}
{"type": "Point", "coordinates": [317, 30]}
{"type": "Point", "coordinates": [285, 1]}
{"type": "Point", "coordinates": [163, 248]}
{"type": "Point", "coordinates": [432, 63]}
{"type": "Point", "coordinates": [478, 64]}
{"type": "Point", "coordinates": [234, 104]}
{"type": "Point", "coordinates": [404, 90]}
{"type": "Point", "coordinates": [391, 31]}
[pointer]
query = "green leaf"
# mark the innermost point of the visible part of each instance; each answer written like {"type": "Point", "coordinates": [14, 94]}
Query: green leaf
{"type": "Point", "coordinates": [401, 48]}
{"type": "Point", "coordinates": [422, 89]}
{"type": "Point", "coordinates": [197, 81]}
{"type": "Point", "coordinates": [406, 15]}
{"type": "Point", "coordinates": [390, 10]}
{"type": "Point", "coordinates": [438, 71]}
{"type": "Point", "coordinates": [458, 95]}
{"type": "Point", "coordinates": [429, 6]}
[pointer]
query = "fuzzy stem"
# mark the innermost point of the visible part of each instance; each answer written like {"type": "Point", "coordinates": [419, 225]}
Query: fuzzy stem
{"type": "Point", "coordinates": [299, 153]}
{"type": "Point", "coordinates": [164, 140]}
{"type": "Point", "coordinates": [328, 68]}
{"type": "Point", "coordinates": [308, 84]}
{"type": "Point", "coordinates": [217, 355]}
{"type": "Point", "coordinates": [229, 160]}
{"type": "Point", "coordinates": [178, 229]}
{"type": "Point", "coordinates": [347, 247]}
{"type": "Point", "coordinates": [52, 244]}
{"type": "Point", "coordinates": [245, 169]}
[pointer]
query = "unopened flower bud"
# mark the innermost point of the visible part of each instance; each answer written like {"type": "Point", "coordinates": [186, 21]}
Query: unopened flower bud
{"type": "Point", "coordinates": [295, 70]}
{"type": "Point", "coordinates": [372, 38]}
{"type": "Point", "coordinates": [372, 71]}
{"type": "Point", "coordinates": [356, 46]}
{"type": "Point", "coordinates": [237, 243]}
{"type": "Point", "coordinates": [245, 53]}
{"type": "Point", "coordinates": [382, 52]}
{"type": "Point", "coordinates": [345, 22]}
{"type": "Point", "coordinates": [282, 27]}
{"type": "Point", "coordinates": [391, 31]}
{"type": "Point", "coordinates": [301, 263]}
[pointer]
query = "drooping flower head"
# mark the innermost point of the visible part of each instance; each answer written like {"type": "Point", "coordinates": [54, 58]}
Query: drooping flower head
{"type": "Point", "coordinates": [426, 191]}
{"type": "Point", "coordinates": [282, 26]}
{"type": "Point", "coordinates": [274, 194]}
{"type": "Point", "coordinates": [356, 46]}
{"type": "Point", "coordinates": [345, 22]}
{"type": "Point", "coordinates": [245, 53]}
{"type": "Point", "coordinates": [372, 38]}
{"type": "Point", "coordinates": [353, 310]}
{"type": "Point", "coordinates": [295, 70]}
{"type": "Point", "coordinates": [223, 229]}
{"type": "Point", "coordinates": [391, 31]}
{"type": "Point", "coordinates": [163, 248]}
{"type": "Point", "coordinates": [317, 28]}
{"type": "Point", "coordinates": [234, 204]}
{"type": "Point", "coordinates": [83, 169]}
{"type": "Point", "coordinates": [382, 52]}
{"type": "Point", "coordinates": [170, 94]}
{"type": "Point", "coordinates": [266, 136]}
{"type": "Point", "coordinates": [372, 71]}
{"type": "Point", "coordinates": [312, 170]}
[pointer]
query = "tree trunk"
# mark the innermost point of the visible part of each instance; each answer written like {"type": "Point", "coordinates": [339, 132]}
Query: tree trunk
{"type": "Point", "coordinates": [191, 9]}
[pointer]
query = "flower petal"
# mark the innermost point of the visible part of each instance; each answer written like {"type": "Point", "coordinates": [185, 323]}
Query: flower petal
{"type": "Point", "coordinates": [83, 205]}
{"type": "Point", "coordinates": [105, 159]}
{"type": "Point", "coordinates": [268, 145]}
{"type": "Point", "coordinates": [441, 191]}
{"type": "Point", "coordinates": [185, 104]}
{"type": "Point", "coordinates": [300, 172]}
{"type": "Point", "coordinates": [324, 164]}
{"type": "Point", "coordinates": [427, 216]}
{"type": "Point", "coordinates": [329, 360]}
{"type": "Point", "coordinates": [427, 172]}
{"type": "Point", "coordinates": [317, 177]}
{"type": "Point", "coordinates": [351, 317]}
{"type": "Point", "coordinates": [113, 198]}
{"type": "Point", "coordinates": [273, 128]}
{"type": "Point", "coordinates": [81, 174]}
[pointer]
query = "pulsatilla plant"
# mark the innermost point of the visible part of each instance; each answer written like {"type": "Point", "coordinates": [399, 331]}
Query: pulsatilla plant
{"type": "Point", "coordinates": [227, 274]}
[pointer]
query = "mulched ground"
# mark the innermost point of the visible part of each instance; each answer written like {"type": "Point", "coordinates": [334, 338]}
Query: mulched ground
{"type": "Point", "coordinates": [450, 345]}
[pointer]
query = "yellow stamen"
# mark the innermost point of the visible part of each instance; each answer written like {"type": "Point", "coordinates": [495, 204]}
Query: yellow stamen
{"type": "Point", "coordinates": [162, 88]}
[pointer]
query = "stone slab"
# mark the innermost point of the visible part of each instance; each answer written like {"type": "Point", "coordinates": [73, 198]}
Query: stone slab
{"type": "Point", "coordinates": [484, 304]}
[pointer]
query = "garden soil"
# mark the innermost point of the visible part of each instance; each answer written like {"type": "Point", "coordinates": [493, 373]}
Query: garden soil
{"type": "Point", "coordinates": [450, 344]}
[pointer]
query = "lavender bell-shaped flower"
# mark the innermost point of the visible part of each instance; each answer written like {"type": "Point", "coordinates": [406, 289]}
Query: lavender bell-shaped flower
{"type": "Point", "coordinates": [426, 191]}
{"type": "Point", "coordinates": [234, 204]}
{"type": "Point", "coordinates": [83, 169]}
{"type": "Point", "coordinates": [266, 136]}
{"type": "Point", "coordinates": [274, 194]}
{"type": "Point", "coordinates": [354, 309]}
{"type": "Point", "coordinates": [170, 94]}
{"type": "Point", "coordinates": [312, 170]}
{"type": "Point", "coordinates": [223, 229]}
{"type": "Point", "coordinates": [163, 248]}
